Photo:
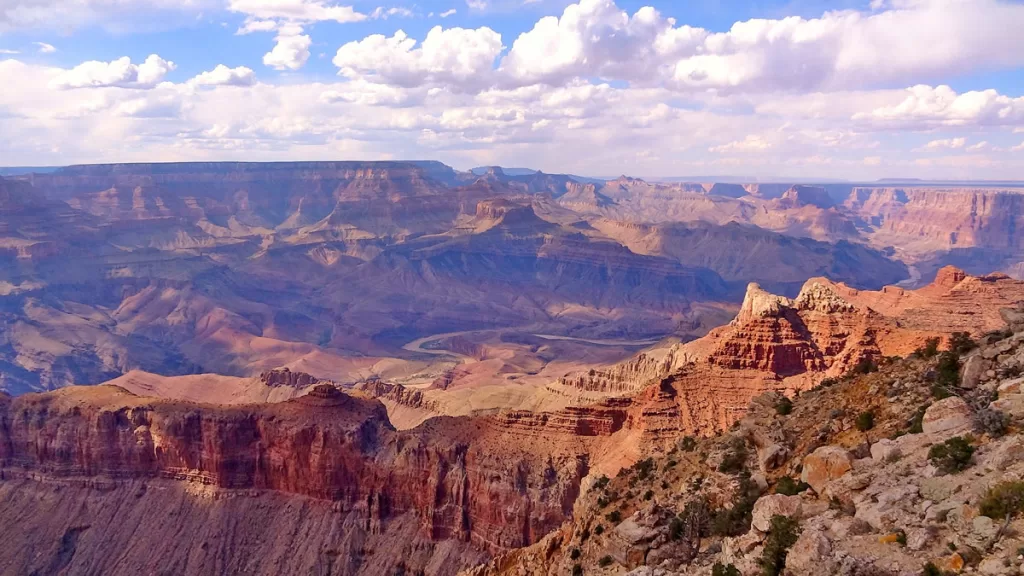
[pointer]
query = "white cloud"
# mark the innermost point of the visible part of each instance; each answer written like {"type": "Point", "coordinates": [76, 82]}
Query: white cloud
{"type": "Point", "coordinates": [752, 143]}
{"type": "Point", "coordinates": [925, 107]}
{"type": "Point", "coordinates": [291, 51]}
{"type": "Point", "coordinates": [448, 13]}
{"type": "Point", "coordinates": [296, 10]}
{"type": "Point", "coordinates": [255, 25]}
{"type": "Point", "coordinates": [872, 160]}
{"type": "Point", "coordinates": [1018, 148]}
{"type": "Point", "coordinates": [979, 147]}
{"type": "Point", "coordinates": [69, 14]}
{"type": "Point", "coordinates": [6, 51]}
{"type": "Point", "coordinates": [44, 48]}
{"type": "Point", "coordinates": [477, 4]}
{"type": "Point", "coordinates": [456, 56]}
{"type": "Point", "coordinates": [946, 144]}
{"type": "Point", "coordinates": [120, 73]}
{"type": "Point", "coordinates": [381, 13]}
{"type": "Point", "coordinates": [224, 76]}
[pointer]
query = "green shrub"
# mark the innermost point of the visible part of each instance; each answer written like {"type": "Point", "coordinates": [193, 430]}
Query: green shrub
{"type": "Point", "coordinates": [585, 535]}
{"type": "Point", "coordinates": [947, 372]}
{"type": "Point", "coordinates": [614, 516]}
{"type": "Point", "coordinates": [961, 343]}
{"type": "Point", "coordinates": [930, 349]}
{"type": "Point", "coordinates": [789, 487]}
{"type": "Point", "coordinates": [784, 406]}
{"type": "Point", "coordinates": [601, 483]}
{"type": "Point", "coordinates": [649, 494]}
{"type": "Point", "coordinates": [599, 529]}
{"type": "Point", "coordinates": [1005, 499]}
{"type": "Point", "coordinates": [991, 422]}
{"type": "Point", "coordinates": [644, 468]}
{"type": "Point", "coordinates": [724, 570]}
{"type": "Point", "coordinates": [577, 570]}
{"type": "Point", "coordinates": [574, 554]}
{"type": "Point", "coordinates": [605, 561]}
{"type": "Point", "coordinates": [865, 366]}
{"type": "Point", "coordinates": [865, 421]}
{"type": "Point", "coordinates": [917, 422]}
{"type": "Point", "coordinates": [735, 521]}
{"type": "Point", "coordinates": [782, 534]}
{"type": "Point", "coordinates": [688, 444]}
{"type": "Point", "coordinates": [953, 455]}
{"type": "Point", "coordinates": [901, 537]}
{"type": "Point", "coordinates": [735, 459]}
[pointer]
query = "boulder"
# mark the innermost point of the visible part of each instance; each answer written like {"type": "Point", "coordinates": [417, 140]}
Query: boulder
{"type": "Point", "coordinates": [824, 465]}
{"type": "Point", "coordinates": [771, 457]}
{"type": "Point", "coordinates": [885, 451]}
{"type": "Point", "coordinates": [972, 371]}
{"type": "Point", "coordinates": [947, 418]}
{"type": "Point", "coordinates": [810, 555]}
{"type": "Point", "coordinates": [774, 505]}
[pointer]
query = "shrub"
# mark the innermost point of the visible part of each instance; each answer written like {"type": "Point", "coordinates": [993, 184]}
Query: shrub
{"type": "Point", "coordinates": [865, 366]}
{"type": "Point", "coordinates": [614, 516]}
{"type": "Point", "coordinates": [735, 458]}
{"type": "Point", "coordinates": [574, 554]}
{"type": "Point", "coordinates": [577, 570]}
{"type": "Point", "coordinates": [599, 529]}
{"type": "Point", "coordinates": [782, 534]}
{"type": "Point", "coordinates": [930, 349]}
{"type": "Point", "coordinates": [585, 535]}
{"type": "Point", "coordinates": [953, 455]}
{"type": "Point", "coordinates": [605, 561]}
{"type": "Point", "coordinates": [735, 521]}
{"type": "Point", "coordinates": [901, 537]}
{"type": "Point", "coordinates": [789, 487]}
{"type": "Point", "coordinates": [991, 422]}
{"type": "Point", "coordinates": [688, 444]}
{"type": "Point", "coordinates": [828, 383]}
{"type": "Point", "coordinates": [644, 468]}
{"type": "Point", "coordinates": [865, 421]}
{"type": "Point", "coordinates": [692, 522]}
{"type": "Point", "coordinates": [948, 370]}
{"type": "Point", "coordinates": [1005, 499]}
{"type": "Point", "coordinates": [784, 406]}
{"type": "Point", "coordinates": [961, 343]}
{"type": "Point", "coordinates": [601, 483]}
{"type": "Point", "coordinates": [724, 570]}
{"type": "Point", "coordinates": [649, 494]}
{"type": "Point", "coordinates": [917, 422]}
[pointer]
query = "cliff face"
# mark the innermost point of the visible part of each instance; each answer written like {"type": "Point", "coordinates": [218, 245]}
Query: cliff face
{"type": "Point", "coordinates": [473, 482]}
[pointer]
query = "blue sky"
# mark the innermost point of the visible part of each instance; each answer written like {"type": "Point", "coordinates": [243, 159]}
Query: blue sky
{"type": "Point", "coordinates": [800, 88]}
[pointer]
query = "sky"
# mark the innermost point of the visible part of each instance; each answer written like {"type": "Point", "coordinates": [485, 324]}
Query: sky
{"type": "Point", "coordinates": [841, 89]}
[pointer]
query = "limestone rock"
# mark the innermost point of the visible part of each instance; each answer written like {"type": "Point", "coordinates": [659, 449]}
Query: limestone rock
{"type": "Point", "coordinates": [774, 505]}
{"type": "Point", "coordinates": [885, 450]}
{"type": "Point", "coordinates": [947, 417]}
{"type": "Point", "coordinates": [824, 465]}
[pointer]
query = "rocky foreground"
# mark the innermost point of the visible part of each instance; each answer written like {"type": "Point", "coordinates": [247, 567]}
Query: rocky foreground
{"type": "Point", "coordinates": [911, 467]}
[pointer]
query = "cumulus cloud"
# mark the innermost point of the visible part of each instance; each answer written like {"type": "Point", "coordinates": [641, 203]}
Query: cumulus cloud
{"type": "Point", "coordinates": [224, 76]}
{"type": "Point", "coordinates": [915, 40]}
{"type": "Point", "coordinates": [925, 107]}
{"type": "Point", "coordinates": [255, 25]}
{"type": "Point", "coordinates": [291, 51]}
{"type": "Point", "coordinates": [296, 10]}
{"type": "Point", "coordinates": [457, 56]}
{"type": "Point", "coordinates": [120, 73]}
{"type": "Point", "coordinates": [381, 13]}
{"type": "Point", "coordinates": [44, 48]}
{"type": "Point", "coordinates": [752, 143]}
{"type": "Point", "coordinates": [946, 144]}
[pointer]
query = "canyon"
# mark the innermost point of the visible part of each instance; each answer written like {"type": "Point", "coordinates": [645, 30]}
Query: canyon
{"type": "Point", "coordinates": [368, 368]}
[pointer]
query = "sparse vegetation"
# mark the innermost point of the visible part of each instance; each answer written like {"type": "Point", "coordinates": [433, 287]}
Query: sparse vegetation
{"type": "Point", "coordinates": [865, 366]}
{"type": "Point", "coordinates": [735, 459]}
{"type": "Point", "coordinates": [953, 455]}
{"type": "Point", "coordinates": [961, 343]}
{"type": "Point", "coordinates": [1004, 500]}
{"type": "Point", "coordinates": [782, 534]}
{"type": "Point", "coordinates": [784, 406]}
{"type": "Point", "coordinates": [644, 468]}
{"type": "Point", "coordinates": [574, 554]}
{"type": "Point", "coordinates": [605, 561]}
{"type": "Point", "coordinates": [688, 444]}
{"type": "Point", "coordinates": [865, 421]}
{"type": "Point", "coordinates": [649, 495]}
{"type": "Point", "coordinates": [601, 483]}
{"type": "Point", "coordinates": [614, 516]}
{"type": "Point", "coordinates": [917, 422]}
{"type": "Point", "coordinates": [735, 521]}
{"type": "Point", "coordinates": [991, 422]}
{"type": "Point", "coordinates": [577, 570]}
{"type": "Point", "coordinates": [930, 348]}
{"type": "Point", "coordinates": [720, 569]}
{"type": "Point", "coordinates": [948, 371]}
{"type": "Point", "coordinates": [789, 487]}
{"type": "Point", "coordinates": [599, 529]}
{"type": "Point", "coordinates": [931, 569]}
